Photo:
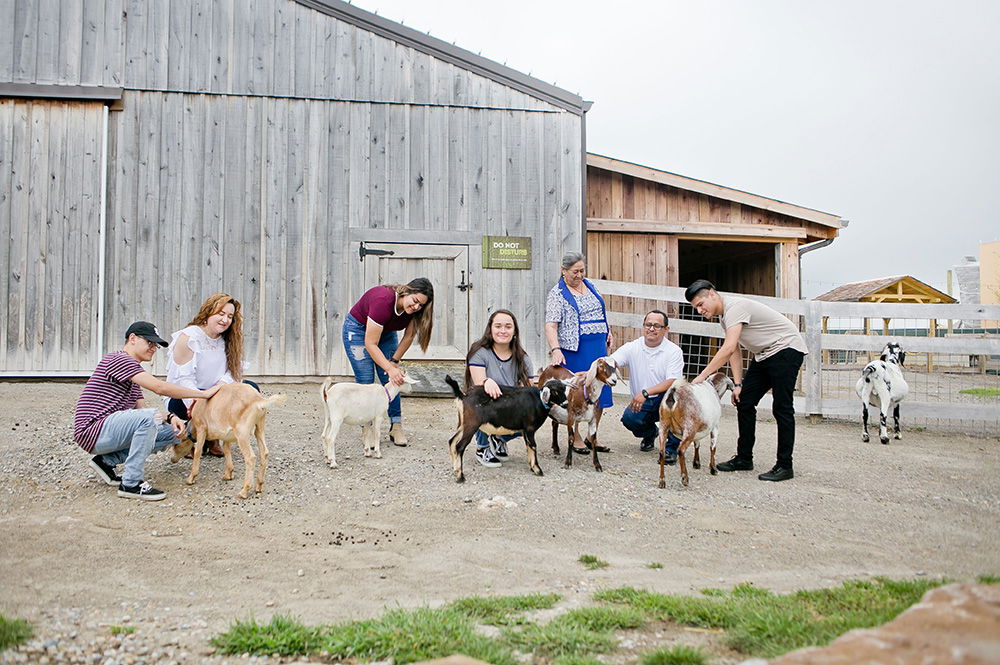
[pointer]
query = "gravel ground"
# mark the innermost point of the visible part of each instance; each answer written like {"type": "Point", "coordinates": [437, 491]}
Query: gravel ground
{"type": "Point", "coordinates": [332, 545]}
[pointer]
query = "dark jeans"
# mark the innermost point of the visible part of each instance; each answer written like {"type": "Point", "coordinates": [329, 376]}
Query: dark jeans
{"type": "Point", "coordinates": [642, 423]}
{"type": "Point", "coordinates": [777, 374]}
{"type": "Point", "coordinates": [178, 408]}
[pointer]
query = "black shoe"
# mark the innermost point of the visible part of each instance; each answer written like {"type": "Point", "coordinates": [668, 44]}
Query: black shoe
{"type": "Point", "coordinates": [486, 457]}
{"type": "Point", "coordinates": [143, 491]}
{"type": "Point", "coordinates": [737, 463]}
{"type": "Point", "coordinates": [105, 472]}
{"type": "Point", "coordinates": [646, 445]}
{"type": "Point", "coordinates": [777, 474]}
{"type": "Point", "coordinates": [669, 457]}
{"type": "Point", "coordinates": [499, 448]}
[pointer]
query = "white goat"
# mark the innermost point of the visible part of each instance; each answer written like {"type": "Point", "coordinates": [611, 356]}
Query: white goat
{"type": "Point", "coordinates": [357, 404]}
{"type": "Point", "coordinates": [882, 385]}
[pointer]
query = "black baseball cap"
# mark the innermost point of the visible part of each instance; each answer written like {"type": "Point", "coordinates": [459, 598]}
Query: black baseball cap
{"type": "Point", "coordinates": [147, 331]}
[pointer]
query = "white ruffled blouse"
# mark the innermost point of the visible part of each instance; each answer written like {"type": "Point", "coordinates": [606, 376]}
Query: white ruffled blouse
{"type": "Point", "coordinates": [206, 367]}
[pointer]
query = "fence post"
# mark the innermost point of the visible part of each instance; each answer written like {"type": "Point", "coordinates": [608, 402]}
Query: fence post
{"type": "Point", "coordinates": [813, 377]}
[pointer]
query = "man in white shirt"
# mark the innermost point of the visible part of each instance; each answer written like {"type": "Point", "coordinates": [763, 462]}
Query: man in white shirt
{"type": "Point", "coordinates": [654, 363]}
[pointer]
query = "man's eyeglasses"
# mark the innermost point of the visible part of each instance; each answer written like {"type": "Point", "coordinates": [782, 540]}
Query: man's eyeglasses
{"type": "Point", "coordinates": [653, 326]}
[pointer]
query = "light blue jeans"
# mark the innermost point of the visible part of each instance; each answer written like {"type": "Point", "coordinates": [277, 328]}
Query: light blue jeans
{"type": "Point", "coordinates": [482, 441]}
{"type": "Point", "coordinates": [361, 361]}
{"type": "Point", "coordinates": [130, 437]}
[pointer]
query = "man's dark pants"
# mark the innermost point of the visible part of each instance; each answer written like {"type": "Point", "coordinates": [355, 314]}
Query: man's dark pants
{"type": "Point", "coordinates": [777, 374]}
{"type": "Point", "coordinates": [642, 423]}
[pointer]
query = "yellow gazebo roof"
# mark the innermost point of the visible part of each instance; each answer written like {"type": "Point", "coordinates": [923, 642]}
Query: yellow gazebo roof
{"type": "Point", "coordinates": [901, 288]}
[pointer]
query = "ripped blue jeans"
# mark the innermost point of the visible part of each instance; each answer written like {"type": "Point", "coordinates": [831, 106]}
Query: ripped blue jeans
{"type": "Point", "coordinates": [361, 361]}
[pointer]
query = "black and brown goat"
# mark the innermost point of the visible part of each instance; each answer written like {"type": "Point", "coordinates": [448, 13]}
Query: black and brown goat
{"type": "Point", "coordinates": [517, 409]}
{"type": "Point", "coordinates": [582, 405]}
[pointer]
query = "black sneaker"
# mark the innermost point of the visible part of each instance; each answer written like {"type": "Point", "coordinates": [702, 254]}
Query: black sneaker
{"type": "Point", "coordinates": [105, 472]}
{"type": "Point", "coordinates": [737, 463]}
{"type": "Point", "coordinates": [646, 445]}
{"type": "Point", "coordinates": [486, 457]}
{"type": "Point", "coordinates": [499, 448]}
{"type": "Point", "coordinates": [777, 474]}
{"type": "Point", "coordinates": [669, 457]}
{"type": "Point", "coordinates": [143, 491]}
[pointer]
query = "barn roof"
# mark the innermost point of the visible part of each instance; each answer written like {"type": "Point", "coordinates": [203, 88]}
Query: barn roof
{"type": "Point", "coordinates": [711, 189]}
{"type": "Point", "coordinates": [442, 50]}
{"type": "Point", "coordinates": [899, 288]}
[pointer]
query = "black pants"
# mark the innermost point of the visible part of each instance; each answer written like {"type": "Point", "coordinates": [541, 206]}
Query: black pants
{"type": "Point", "coordinates": [177, 407]}
{"type": "Point", "coordinates": [777, 374]}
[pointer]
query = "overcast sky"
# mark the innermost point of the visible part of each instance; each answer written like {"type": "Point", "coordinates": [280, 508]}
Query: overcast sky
{"type": "Point", "coordinates": [884, 113]}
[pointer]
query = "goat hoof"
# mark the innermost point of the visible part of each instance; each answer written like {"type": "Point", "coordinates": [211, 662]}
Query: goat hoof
{"type": "Point", "coordinates": [460, 479]}
{"type": "Point", "coordinates": [885, 441]}
{"type": "Point", "coordinates": [189, 481]}
{"type": "Point", "coordinates": [597, 467]}
{"type": "Point", "coordinates": [713, 471]}
{"type": "Point", "coordinates": [662, 484]}
{"type": "Point", "coordinates": [898, 437]}
{"type": "Point", "coordinates": [242, 495]}
{"type": "Point", "coordinates": [696, 465]}
{"type": "Point", "coordinates": [333, 465]}
{"type": "Point", "coordinates": [684, 482]}
{"type": "Point", "coordinates": [228, 476]}
{"type": "Point", "coordinates": [865, 438]}
{"type": "Point", "coordinates": [537, 472]}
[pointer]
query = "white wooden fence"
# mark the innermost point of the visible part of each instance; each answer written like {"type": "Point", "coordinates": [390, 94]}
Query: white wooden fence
{"type": "Point", "coordinates": [811, 314]}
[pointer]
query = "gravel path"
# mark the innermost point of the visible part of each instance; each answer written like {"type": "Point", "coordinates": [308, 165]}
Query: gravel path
{"type": "Point", "coordinates": [332, 545]}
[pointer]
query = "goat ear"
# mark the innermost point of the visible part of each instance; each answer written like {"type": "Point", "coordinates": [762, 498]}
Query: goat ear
{"type": "Point", "coordinates": [902, 358]}
{"type": "Point", "coordinates": [545, 394]}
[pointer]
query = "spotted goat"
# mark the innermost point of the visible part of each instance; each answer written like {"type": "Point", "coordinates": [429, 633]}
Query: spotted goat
{"type": "Point", "coordinates": [882, 385]}
{"type": "Point", "coordinates": [692, 411]}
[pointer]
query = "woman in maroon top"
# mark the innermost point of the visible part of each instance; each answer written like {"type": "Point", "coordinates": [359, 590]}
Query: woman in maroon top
{"type": "Point", "coordinates": [371, 340]}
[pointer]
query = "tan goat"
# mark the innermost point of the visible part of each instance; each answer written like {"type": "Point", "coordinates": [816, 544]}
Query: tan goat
{"type": "Point", "coordinates": [690, 411]}
{"type": "Point", "coordinates": [232, 414]}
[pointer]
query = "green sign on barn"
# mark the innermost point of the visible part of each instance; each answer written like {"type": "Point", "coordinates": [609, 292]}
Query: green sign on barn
{"type": "Point", "coordinates": [509, 252]}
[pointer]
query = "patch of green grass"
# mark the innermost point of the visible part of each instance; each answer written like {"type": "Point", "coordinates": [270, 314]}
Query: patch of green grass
{"type": "Point", "coordinates": [981, 392]}
{"type": "Point", "coordinates": [763, 624]}
{"type": "Point", "coordinates": [503, 610]}
{"type": "Point", "coordinates": [591, 562]}
{"type": "Point", "coordinates": [988, 579]}
{"type": "Point", "coordinates": [677, 655]}
{"type": "Point", "coordinates": [604, 618]}
{"type": "Point", "coordinates": [122, 630]}
{"type": "Point", "coordinates": [13, 632]}
{"type": "Point", "coordinates": [654, 565]}
{"type": "Point", "coordinates": [576, 660]}
{"type": "Point", "coordinates": [559, 638]}
{"type": "Point", "coordinates": [282, 636]}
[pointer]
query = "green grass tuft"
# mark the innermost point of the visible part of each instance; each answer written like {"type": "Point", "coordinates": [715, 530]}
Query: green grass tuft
{"type": "Point", "coordinates": [604, 618]}
{"type": "Point", "coordinates": [761, 623]}
{"type": "Point", "coordinates": [559, 638]}
{"type": "Point", "coordinates": [503, 610]}
{"type": "Point", "coordinates": [988, 579]}
{"type": "Point", "coordinates": [576, 660]}
{"type": "Point", "coordinates": [282, 636]}
{"type": "Point", "coordinates": [591, 562]}
{"type": "Point", "coordinates": [121, 630]}
{"type": "Point", "coordinates": [654, 565]}
{"type": "Point", "coordinates": [14, 632]}
{"type": "Point", "coordinates": [981, 392]}
{"type": "Point", "coordinates": [677, 655]}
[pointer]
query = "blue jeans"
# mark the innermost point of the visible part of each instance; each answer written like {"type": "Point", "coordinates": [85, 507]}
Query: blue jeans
{"type": "Point", "coordinates": [130, 437]}
{"type": "Point", "coordinates": [642, 423]}
{"type": "Point", "coordinates": [361, 361]}
{"type": "Point", "coordinates": [482, 441]}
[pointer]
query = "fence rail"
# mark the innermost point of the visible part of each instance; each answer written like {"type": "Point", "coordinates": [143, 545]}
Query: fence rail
{"type": "Point", "coordinates": [827, 388]}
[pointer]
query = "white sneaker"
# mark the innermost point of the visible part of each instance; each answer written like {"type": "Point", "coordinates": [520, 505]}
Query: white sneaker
{"type": "Point", "coordinates": [486, 457]}
{"type": "Point", "coordinates": [499, 448]}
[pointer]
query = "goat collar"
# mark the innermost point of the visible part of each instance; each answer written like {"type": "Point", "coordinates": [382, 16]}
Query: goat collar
{"type": "Point", "coordinates": [586, 397]}
{"type": "Point", "coordinates": [387, 395]}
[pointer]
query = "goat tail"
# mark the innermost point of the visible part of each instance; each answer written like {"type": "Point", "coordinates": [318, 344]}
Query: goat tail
{"type": "Point", "coordinates": [867, 372]}
{"type": "Point", "coordinates": [268, 402]}
{"type": "Point", "coordinates": [454, 386]}
{"type": "Point", "coordinates": [670, 397]}
{"type": "Point", "coordinates": [326, 387]}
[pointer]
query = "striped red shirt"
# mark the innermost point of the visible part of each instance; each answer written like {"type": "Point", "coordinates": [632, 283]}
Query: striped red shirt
{"type": "Point", "coordinates": [109, 389]}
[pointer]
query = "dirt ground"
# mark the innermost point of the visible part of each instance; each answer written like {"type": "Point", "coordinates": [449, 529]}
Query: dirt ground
{"type": "Point", "coordinates": [331, 545]}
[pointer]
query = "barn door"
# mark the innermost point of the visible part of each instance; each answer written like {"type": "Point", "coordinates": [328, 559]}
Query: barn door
{"type": "Point", "coordinates": [447, 267]}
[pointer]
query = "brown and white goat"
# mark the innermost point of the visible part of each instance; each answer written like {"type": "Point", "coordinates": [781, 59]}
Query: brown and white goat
{"type": "Point", "coordinates": [518, 409]}
{"type": "Point", "coordinates": [362, 404]}
{"type": "Point", "coordinates": [233, 413]}
{"type": "Point", "coordinates": [582, 405]}
{"type": "Point", "coordinates": [690, 411]}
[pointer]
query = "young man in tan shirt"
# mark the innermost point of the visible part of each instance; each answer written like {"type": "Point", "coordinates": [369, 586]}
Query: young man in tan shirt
{"type": "Point", "coordinates": [778, 350]}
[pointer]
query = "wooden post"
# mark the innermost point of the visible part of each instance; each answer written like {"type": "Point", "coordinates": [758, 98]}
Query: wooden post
{"type": "Point", "coordinates": [932, 332]}
{"type": "Point", "coordinates": [826, 328]}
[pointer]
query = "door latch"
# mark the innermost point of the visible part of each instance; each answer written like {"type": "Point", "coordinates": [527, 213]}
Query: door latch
{"type": "Point", "coordinates": [463, 287]}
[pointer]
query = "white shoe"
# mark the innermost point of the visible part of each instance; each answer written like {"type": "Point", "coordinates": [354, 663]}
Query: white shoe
{"type": "Point", "coordinates": [499, 448]}
{"type": "Point", "coordinates": [486, 457]}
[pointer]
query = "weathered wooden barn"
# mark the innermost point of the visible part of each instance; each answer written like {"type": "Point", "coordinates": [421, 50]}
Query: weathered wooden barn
{"type": "Point", "coordinates": [654, 227]}
{"type": "Point", "coordinates": [289, 152]}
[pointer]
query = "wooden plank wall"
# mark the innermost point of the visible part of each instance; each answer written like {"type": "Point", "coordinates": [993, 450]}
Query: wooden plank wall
{"type": "Point", "coordinates": [50, 176]}
{"type": "Point", "coordinates": [262, 198]}
{"type": "Point", "coordinates": [259, 142]}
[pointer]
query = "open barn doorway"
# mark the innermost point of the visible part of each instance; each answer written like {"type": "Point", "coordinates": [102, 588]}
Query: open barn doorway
{"type": "Point", "coordinates": [740, 267]}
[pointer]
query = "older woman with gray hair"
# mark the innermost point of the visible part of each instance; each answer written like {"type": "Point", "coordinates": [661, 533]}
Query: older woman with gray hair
{"type": "Point", "coordinates": [576, 325]}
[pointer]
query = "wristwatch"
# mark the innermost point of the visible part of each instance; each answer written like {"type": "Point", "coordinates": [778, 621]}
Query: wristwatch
{"type": "Point", "coordinates": [645, 394]}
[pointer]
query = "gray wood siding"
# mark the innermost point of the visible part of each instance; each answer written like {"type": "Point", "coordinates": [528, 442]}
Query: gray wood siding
{"type": "Point", "coordinates": [266, 199]}
{"type": "Point", "coordinates": [50, 177]}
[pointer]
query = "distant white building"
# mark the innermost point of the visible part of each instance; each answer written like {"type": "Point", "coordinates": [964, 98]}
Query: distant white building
{"type": "Point", "coordinates": [967, 280]}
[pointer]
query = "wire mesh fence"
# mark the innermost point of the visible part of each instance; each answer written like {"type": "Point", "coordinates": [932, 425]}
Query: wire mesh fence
{"type": "Point", "coordinates": [952, 360]}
